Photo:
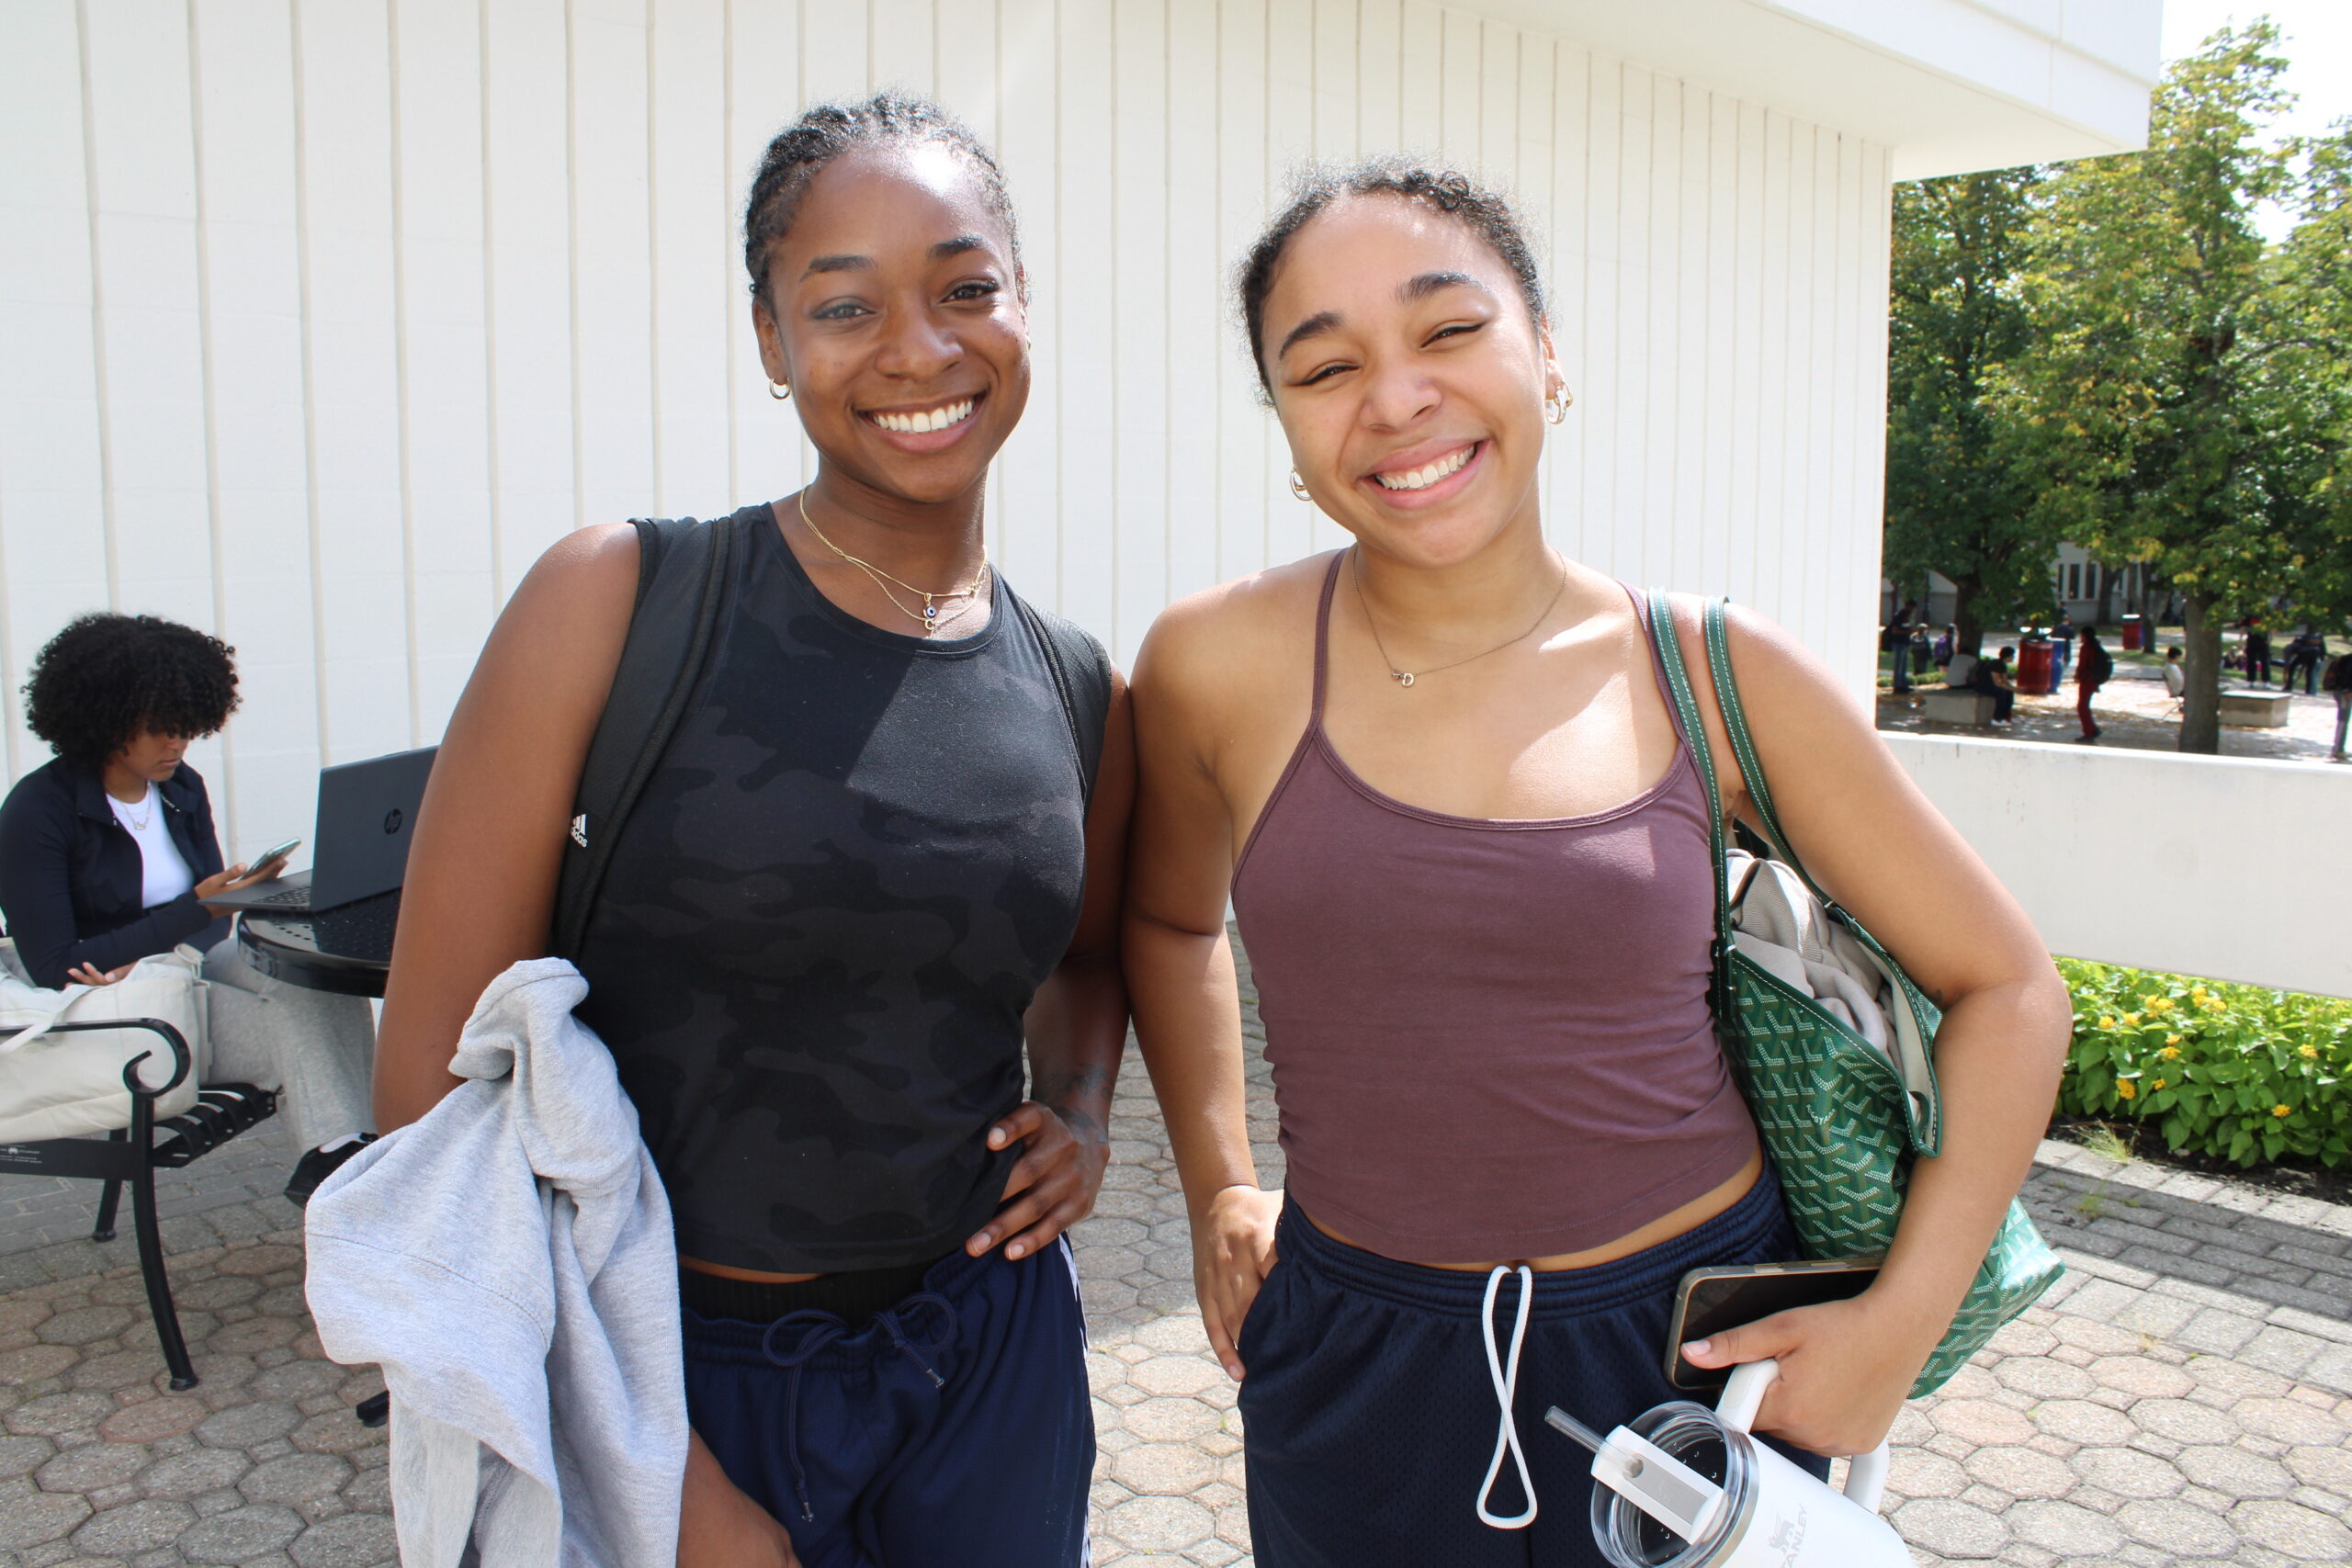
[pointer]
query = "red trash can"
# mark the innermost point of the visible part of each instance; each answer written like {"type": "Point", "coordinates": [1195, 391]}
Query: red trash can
{"type": "Point", "coordinates": [2033, 667]}
{"type": "Point", "coordinates": [2134, 636]}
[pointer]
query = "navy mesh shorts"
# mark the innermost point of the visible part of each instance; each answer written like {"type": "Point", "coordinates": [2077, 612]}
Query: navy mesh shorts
{"type": "Point", "coordinates": [952, 1431]}
{"type": "Point", "coordinates": [1369, 1415]}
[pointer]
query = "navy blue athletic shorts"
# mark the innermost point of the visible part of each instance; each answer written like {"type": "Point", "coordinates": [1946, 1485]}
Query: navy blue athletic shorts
{"type": "Point", "coordinates": [952, 1431]}
{"type": "Point", "coordinates": [1369, 1416]}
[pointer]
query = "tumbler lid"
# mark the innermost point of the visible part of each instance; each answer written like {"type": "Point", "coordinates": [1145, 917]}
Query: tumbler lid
{"type": "Point", "coordinates": [1690, 1497]}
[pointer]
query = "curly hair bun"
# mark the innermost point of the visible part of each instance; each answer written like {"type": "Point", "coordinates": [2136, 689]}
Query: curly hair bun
{"type": "Point", "coordinates": [105, 678]}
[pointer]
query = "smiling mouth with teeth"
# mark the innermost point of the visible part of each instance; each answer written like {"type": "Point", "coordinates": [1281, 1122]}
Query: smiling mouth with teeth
{"type": "Point", "coordinates": [926, 421]}
{"type": "Point", "coordinates": [1429, 474]}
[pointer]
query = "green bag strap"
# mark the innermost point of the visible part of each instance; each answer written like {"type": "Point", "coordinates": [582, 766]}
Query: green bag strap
{"type": "Point", "coordinates": [1923, 1104]}
{"type": "Point", "coordinates": [1743, 746]}
{"type": "Point", "coordinates": [1923, 1101]}
{"type": "Point", "coordinates": [1669, 644]}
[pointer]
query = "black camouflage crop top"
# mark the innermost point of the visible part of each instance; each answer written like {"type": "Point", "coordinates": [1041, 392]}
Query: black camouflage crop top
{"type": "Point", "coordinates": [858, 859]}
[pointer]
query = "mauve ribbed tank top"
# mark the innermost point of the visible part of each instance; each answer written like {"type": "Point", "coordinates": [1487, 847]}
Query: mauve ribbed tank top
{"type": "Point", "coordinates": [1490, 1038]}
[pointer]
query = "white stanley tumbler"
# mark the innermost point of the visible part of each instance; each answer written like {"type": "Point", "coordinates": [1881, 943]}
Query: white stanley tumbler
{"type": "Point", "coordinates": [1683, 1486]}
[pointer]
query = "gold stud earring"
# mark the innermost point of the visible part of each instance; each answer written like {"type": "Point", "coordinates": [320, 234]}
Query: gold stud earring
{"type": "Point", "coordinates": [779, 392]}
{"type": "Point", "coordinates": [1298, 486]}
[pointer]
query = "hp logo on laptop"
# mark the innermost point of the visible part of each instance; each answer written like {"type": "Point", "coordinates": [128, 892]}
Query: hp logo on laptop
{"type": "Point", "coordinates": [392, 821]}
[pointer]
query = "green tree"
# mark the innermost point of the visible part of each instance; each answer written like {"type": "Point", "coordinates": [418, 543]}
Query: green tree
{"type": "Point", "coordinates": [1957, 502]}
{"type": "Point", "coordinates": [2313, 366]}
{"type": "Point", "coordinates": [2151, 410]}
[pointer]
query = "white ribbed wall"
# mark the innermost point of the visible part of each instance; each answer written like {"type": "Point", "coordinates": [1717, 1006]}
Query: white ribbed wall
{"type": "Point", "coordinates": [319, 319]}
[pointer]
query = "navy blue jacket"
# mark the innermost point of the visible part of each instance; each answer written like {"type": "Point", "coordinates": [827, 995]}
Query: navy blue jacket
{"type": "Point", "coordinates": [71, 876]}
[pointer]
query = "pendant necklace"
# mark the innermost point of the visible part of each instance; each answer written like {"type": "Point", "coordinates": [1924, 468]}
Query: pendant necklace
{"type": "Point", "coordinates": [1406, 677]}
{"type": "Point", "coordinates": [138, 824]}
{"type": "Point", "coordinates": [930, 614]}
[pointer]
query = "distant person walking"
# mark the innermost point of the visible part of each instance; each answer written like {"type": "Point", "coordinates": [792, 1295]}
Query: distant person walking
{"type": "Point", "coordinates": [2340, 681]}
{"type": "Point", "coordinates": [2062, 647]}
{"type": "Point", "coordinates": [2304, 656]}
{"type": "Point", "coordinates": [2090, 676]}
{"type": "Point", "coordinates": [2258, 653]}
{"type": "Point", "coordinates": [2176, 674]}
{"type": "Point", "coordinates": [1898, 642]}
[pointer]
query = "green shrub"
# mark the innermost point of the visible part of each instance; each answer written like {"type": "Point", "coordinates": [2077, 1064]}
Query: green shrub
{"type": "Point", "coordinates": [2232, 1071]}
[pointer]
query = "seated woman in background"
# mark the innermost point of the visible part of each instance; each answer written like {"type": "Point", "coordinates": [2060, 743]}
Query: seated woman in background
{"type": "Point", "coordinates": [107, 855]}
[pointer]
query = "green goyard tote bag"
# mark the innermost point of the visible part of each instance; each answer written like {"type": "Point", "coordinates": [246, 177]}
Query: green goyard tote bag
{"type": "Point", "coordinates": [1842, 1119]}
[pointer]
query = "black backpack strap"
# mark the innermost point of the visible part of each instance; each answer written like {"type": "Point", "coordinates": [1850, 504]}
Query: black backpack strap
{"type": "Point", "coordinates": [681, 578]}
{"type": "Point", "coordinates": [1082, 673]}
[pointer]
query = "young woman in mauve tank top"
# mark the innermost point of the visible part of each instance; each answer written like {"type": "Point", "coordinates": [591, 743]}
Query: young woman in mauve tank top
{"type": "Point", "coordinates": [861, 877]}
{"type": "Point", "coordinates": [1440, 779]}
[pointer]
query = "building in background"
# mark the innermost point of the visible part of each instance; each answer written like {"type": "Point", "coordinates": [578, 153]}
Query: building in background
{"type": "Point", "coordinates": [320, 318]}
{"type": "Point", "coordinates": [2092, 592]}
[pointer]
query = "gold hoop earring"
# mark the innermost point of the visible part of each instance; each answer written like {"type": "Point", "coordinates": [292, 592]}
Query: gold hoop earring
{"type": "Point", "coordinates": [1555, 407]}
{"type": "Point", "coordinates": [780, 391]}
{"type": "Point", "coordinates": [1298, 486]}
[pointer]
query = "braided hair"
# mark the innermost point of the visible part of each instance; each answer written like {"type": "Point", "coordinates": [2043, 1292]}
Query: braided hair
{"type": "Point", "coordinates": [1486, 212]}
{"type": "Point", "coordinates": [822, 133]}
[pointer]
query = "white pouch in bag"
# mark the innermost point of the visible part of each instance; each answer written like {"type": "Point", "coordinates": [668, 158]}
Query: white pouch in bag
{"type": "Point", "coordinates": [63, 1086]}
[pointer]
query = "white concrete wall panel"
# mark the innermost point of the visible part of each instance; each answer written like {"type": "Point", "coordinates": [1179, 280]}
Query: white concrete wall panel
{"type": "Point", "coordinates": [321, 319]}
{"type": "Point", "coordinates": [2117, 855]}
{"type": "Point", "coordinates": [54, 548]}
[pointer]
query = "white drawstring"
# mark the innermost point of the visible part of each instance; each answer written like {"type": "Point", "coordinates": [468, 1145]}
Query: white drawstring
{"type": "Point", "coordinates": [1506, 1379]}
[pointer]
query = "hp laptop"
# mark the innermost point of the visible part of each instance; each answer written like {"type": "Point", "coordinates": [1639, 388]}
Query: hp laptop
{"type": "Point", "coordinates": [367, 813]}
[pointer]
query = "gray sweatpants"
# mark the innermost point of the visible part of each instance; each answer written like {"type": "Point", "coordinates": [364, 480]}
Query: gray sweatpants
{"type": "Point", "coordinates": [316, 1049]}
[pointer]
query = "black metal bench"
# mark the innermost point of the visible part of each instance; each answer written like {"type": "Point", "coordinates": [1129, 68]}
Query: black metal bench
{"type": "Point", "coordinates": [135, 1153]}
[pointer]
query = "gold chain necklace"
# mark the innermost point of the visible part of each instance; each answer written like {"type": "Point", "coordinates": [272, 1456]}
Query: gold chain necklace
{"type": "Point", "coordinates": [930, 616]}
{"type": "Point", "coordinates": [1405, 678]}
{"type": "Point", "coordinates": [139, 824]}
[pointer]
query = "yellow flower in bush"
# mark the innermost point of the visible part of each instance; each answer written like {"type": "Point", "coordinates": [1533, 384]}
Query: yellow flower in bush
{"type": "Point", "coordinates": [2171, 1052]}
{"type": "Point", "coordinates": [2107, 1020]}
{"type": "Point", "coordinates": [2199, 995]}
{"type": "Point", "coordinates": [2161, 1004]}
{"type": "Point", "coordinates": [2157, 1085]}
{"type": "Point", "coordinates": [2308, 1053]}
{"type": "Point", "coordinates": [2126, 1089]}
{"type": "Point", "coordinates": [2282, 1111]}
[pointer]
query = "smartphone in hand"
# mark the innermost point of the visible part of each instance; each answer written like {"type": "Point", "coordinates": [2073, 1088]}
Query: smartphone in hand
{"type": "Point", "coordinates": [1710, 1300]}
{"type": "Point", "coordinates": [272, 861]}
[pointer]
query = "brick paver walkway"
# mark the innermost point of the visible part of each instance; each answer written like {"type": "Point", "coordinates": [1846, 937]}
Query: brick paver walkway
{"type": "Point", "coordinates": [2184, 1396]}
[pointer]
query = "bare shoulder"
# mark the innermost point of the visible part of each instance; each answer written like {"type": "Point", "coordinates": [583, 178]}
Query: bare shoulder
{"type": "Point", "coordinates": [1784, 680]}
{"type": "Point", "coordinates": [1779, 676]}
{"type": "Point", "coordinates": [1233, 634]}
{"type": "Point", "coordinates": [586, 574]}
{"type": "Point", "coordinates": [547, 666]}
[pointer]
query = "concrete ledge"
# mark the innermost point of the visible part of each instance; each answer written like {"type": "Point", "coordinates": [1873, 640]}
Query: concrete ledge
{"type": "Point", "coordinates": [2142, 857]}
{"type": "Point", "coordinates": [2255, 710]}
{"type": "Point", "coordinates": [1958, 708]}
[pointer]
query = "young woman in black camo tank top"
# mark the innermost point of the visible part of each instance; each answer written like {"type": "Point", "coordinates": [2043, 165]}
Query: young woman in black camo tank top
{"type": "Point", "coordinates": [863, 875]}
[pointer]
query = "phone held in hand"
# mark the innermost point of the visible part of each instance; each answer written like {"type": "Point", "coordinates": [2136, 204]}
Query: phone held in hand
{"type": "Point", "coordinates": [1711, 1300]}
{"type": "Point", "coordinates": [276, 852]}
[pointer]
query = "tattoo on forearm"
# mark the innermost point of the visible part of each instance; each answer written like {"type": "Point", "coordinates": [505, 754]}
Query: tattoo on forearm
{"type": "Point", "coordinates": [1074, 1093]}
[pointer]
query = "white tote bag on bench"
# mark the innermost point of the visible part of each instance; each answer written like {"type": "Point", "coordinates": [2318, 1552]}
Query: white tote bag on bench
{"type": "Point", "coordinates": [63, 1086]}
